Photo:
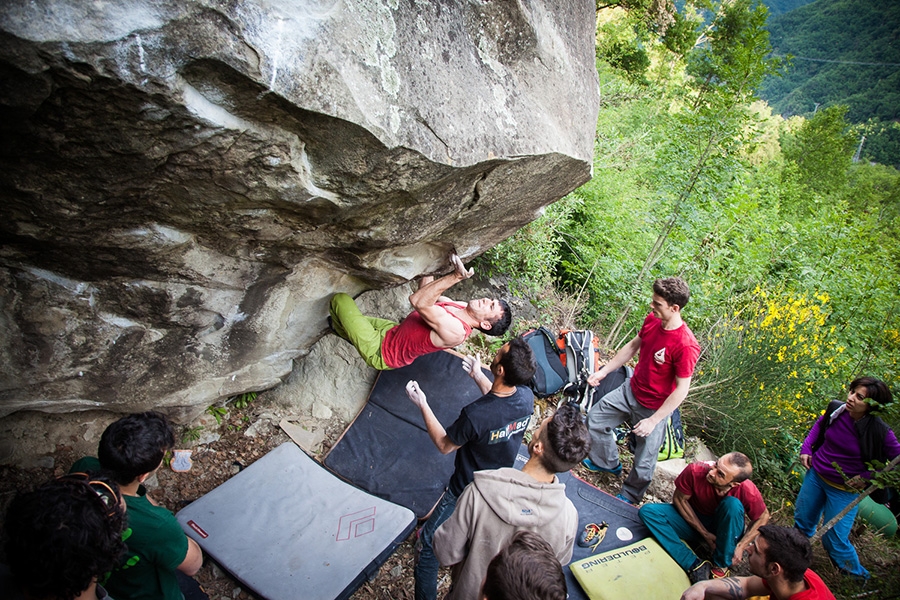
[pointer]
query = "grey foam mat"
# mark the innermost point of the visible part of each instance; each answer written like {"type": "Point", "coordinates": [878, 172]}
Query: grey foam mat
{"type": "Point", "coordinates": [288, 528]}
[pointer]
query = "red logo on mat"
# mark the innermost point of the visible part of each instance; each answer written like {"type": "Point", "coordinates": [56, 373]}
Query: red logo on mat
{"type": "Point", "coordinates": [356, 524]}
{"type": "Point", "coordinates": [198, 529]}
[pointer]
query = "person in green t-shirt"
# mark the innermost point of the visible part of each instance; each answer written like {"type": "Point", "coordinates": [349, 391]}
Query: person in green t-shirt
{"type": "Point", "coordinates": [131, 449]}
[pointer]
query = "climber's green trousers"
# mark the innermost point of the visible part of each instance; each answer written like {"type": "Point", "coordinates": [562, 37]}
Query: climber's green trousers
{"type": "Point", "coordinates": [365, 333]}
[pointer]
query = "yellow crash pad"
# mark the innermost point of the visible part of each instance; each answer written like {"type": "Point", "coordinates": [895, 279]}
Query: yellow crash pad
{"type": "Point", "coordinates": [641, 571]}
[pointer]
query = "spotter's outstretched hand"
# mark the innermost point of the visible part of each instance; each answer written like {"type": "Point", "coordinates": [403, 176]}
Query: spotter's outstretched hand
{"type": "Point", "coordinates": [415, 393]}
{"type": "Point", "coordinates": [472, 366]}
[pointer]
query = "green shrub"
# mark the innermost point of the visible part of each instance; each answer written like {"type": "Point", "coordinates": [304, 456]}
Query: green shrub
{"type": "Point", "coordinates": [769, 370]}
{"type": "Point", "coordinates": [530, 257]}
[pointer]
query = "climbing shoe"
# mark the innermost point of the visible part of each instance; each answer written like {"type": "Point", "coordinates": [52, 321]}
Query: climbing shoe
{"type": "Point", "coordinates": [720, 572]}
{"type": "Point", "coordinates": [594, 468]}
{"type": "Point", "coordinates": [701, 572]}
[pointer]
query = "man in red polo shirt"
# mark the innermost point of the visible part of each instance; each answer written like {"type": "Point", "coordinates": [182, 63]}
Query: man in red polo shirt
{"type": "Point", "coordinates": [711, 502]}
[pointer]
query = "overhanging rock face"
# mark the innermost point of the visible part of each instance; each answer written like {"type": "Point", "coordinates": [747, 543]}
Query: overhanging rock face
{"type": "Point", "coordinates": [184, 184]}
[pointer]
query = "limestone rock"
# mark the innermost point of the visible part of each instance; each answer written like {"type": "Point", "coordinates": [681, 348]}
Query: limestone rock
{"type": "Point", "coordinates": [261, 424]}
{"type": "Point", "coordinates": [308, 434]}
{"type": "Point", "coordinates": [183, 185]}
{"type": "Point", "coordinates": [26, 437]}
{"type": "Point", "coordinates": [663, 483]}
{"type": "Point", "coordinates": [321, 411]}
{"type": "Point", "coordinates": [704, 453]}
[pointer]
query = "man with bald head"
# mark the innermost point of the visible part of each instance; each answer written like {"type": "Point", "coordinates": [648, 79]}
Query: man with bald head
{"type": "Point", "coordinates": [712, 501]}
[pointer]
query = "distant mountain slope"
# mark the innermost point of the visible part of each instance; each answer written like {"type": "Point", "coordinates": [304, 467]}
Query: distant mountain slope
{"type": "Point", "coordinates": [862, 37]}
{"type": "Point", "coordinates": [778, 7]}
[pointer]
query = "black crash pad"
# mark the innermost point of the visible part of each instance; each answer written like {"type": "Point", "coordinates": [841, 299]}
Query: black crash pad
{"type": "Point", "coordinates": [387, 451]}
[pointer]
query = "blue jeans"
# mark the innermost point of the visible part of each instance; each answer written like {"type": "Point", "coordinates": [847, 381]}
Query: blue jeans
{"type": "Point", "coordinates": [426, 571]}
{"type": "Point", "coordinates": [672, 531]}
{"type": "Point", "coordinates": [817, 499]}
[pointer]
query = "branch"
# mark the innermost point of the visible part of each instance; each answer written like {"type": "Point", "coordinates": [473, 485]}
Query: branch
{"type": "Point", "coordinates": [850, 506]}
{"type": "Point", "coordinates": [656, 250]}
{"type": "Point", "coordinates": [568, 321]}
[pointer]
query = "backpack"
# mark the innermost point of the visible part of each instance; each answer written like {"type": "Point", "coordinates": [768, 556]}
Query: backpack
{"type": "Point", "coordinates": [550, 375]}
{"type": "Point", "coordinates": [565, 362]}
{"type": "Point", "coordinates": [673, 442]}
{"type": "Point", "coordinates": [581, 357]}
{"type": "Point", "coordinates": [580, 353]}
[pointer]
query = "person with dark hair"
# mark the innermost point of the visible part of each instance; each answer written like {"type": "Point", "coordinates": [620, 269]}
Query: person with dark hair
{"type": "Point", "coordinates": [135, 445]}
{"type": "Point", "coordinates": [436, 323]}
{"type": "Point", "coordinates": [500, 503]}
{"type": "Point", "coordinates": [673, 290]}
{"type": "Point", "coordinates": [835, 453]}
{"type": "Point", "coordinates": [779, 560]}
{"type": "Point", "coordinates": [131, 449]}
{"type": "Point", "coordinates": [62, 538]}
{"type": "Point", "coordinates": [486, 435]}
{"type": "Point", "coordinates": [527, 569]}
{"type": "Point", "coordinates": [711, 502]}
{"type": "Point", "coordinates": [657, 386]}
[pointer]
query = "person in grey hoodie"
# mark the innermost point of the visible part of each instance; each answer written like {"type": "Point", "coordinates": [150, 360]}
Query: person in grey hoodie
{"type": "Point", "coordinates": [499, 503]}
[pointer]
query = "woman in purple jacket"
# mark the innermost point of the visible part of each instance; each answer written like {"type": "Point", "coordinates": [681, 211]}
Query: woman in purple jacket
{"type": "Point", "coordinates": [850, 436]}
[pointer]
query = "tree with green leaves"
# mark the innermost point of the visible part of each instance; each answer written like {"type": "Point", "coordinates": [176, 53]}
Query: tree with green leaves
{"type": "Point", "coordinates": [821, 151]}
{"type": "Point", "coordinates": [789, 247]}
{"type": "Point", "coordinates": [703, 157]}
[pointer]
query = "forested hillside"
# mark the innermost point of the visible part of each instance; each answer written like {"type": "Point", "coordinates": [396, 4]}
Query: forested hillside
{"type": "Point", "coordinates": [778, 7]}
{"type": "Point", "coordinates": [790, 248]}
{"type": "Point", "coordinates": [845, 52]}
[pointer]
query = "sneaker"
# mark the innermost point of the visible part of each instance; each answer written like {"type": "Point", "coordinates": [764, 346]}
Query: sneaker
{"type": "Point", "coordinates": [624, 498]}
{"type": "Point", "coordinates": [592, 535]}
{"type": "Point", "coordinates": [720, 572]}
{"type": "Point", "coordinates": [701, 572]}
{"type": "Point", "coordinates": [590, 466]}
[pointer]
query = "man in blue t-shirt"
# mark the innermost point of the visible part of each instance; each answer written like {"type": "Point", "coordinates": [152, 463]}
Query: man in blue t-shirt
{"type": "Point", "coordinates": [486, 435]}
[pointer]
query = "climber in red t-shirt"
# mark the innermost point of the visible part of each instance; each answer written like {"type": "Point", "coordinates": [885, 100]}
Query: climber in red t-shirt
{"type": "Point", "coordinates": [436, 323]}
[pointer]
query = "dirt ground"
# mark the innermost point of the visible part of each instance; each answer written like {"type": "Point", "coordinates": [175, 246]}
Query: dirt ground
{"type": "Point", "coordinates": [213, 464]}
{"type": "Point", "coordinates": [216, 461]}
